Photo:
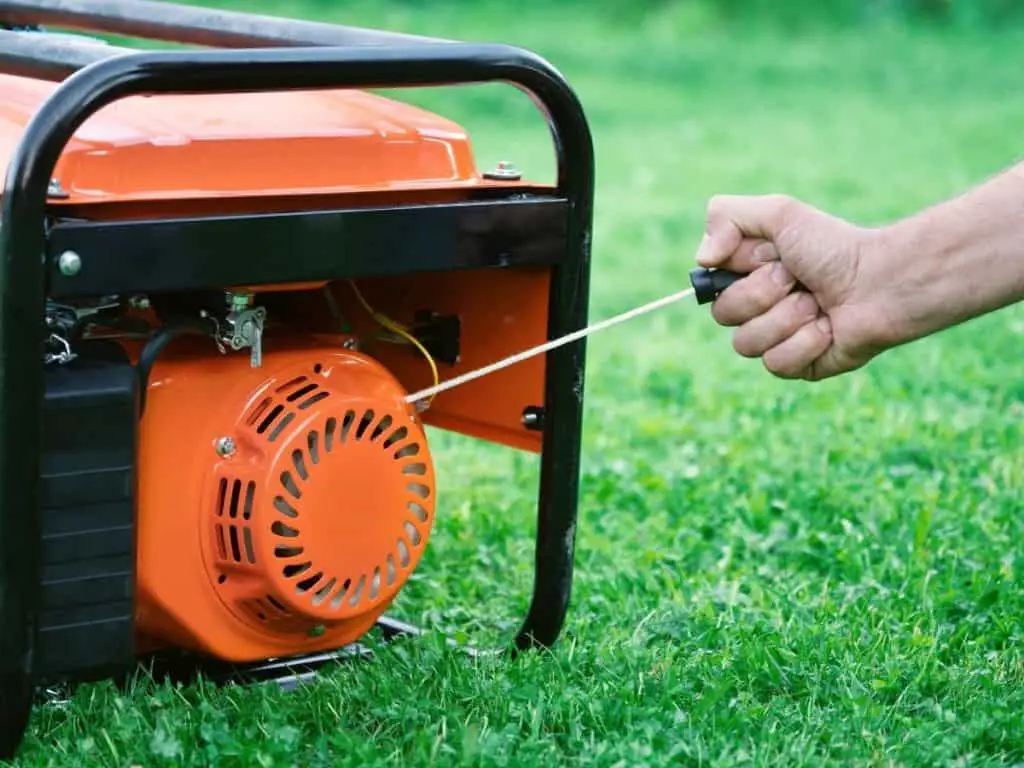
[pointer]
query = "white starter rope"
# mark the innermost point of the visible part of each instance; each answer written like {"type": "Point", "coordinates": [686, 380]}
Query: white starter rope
{"type": "Point", "coordinates": [423, 394]}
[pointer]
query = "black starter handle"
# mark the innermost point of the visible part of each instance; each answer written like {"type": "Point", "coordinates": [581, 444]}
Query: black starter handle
{"type": "Point", "coordinates": [709, 283]}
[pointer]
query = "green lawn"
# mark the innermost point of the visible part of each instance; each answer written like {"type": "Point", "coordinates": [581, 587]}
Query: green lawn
{"type": "Point", "coordinates": [768, 572]}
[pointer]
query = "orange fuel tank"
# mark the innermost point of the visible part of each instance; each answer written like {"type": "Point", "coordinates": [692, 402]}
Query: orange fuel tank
{"type": "Point", "coordinates": [245, 145]}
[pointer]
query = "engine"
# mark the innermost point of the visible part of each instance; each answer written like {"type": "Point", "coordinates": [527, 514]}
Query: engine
{"type": "Point", "coordinates": [285, 490]}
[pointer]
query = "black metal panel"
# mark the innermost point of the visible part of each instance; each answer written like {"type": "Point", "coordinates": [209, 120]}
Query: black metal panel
{"type": "Point", "coordinates": [32, 54]}
{"type": "Point", "coordinates": [209, 253]}
{"type": "Point", "coordinates": [88, 507]}
{"type": "Point", "coordinates": [194, 24]}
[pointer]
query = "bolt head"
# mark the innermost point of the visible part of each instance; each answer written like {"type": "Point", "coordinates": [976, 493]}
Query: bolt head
{"type": "Point", "coordinates": [225, 446]}
{"type": "Point", "coordinates": [504, 171]}
{"type": "Point", "coordinates": [70, 263]}
{"type": "Point", "coordinates": [533, 418]}
{"type": "Point", "coordinates": [54, 189]}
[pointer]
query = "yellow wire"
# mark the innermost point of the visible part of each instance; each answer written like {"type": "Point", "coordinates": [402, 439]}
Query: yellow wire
{"type": "Point", "coordinates": [399, 329]}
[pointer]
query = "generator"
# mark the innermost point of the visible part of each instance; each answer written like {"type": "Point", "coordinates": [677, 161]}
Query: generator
{"type": "Point", "coordinates": [228, 266]}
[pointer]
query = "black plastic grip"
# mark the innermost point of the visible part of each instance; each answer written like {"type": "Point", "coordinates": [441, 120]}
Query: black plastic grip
{"type": "Point", "coordinates": [709, 283]}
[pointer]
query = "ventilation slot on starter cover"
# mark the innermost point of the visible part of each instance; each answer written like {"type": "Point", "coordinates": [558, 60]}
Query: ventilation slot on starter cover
{"type": "Point", "coordinates": [235, 501]}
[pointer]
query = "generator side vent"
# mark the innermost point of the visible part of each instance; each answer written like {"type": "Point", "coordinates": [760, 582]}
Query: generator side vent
{"type": "Point", "coordinates": [269, 611]}
{"type": "Point", "coordinates": [235, 502]}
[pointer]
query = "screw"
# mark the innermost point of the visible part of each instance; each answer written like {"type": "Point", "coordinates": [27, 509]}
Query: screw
{"type": "Point", "coordinates": [225, 446]}
{"type": "Point", "coordinates": [350, 343]}
{"type": "Point", "coordinates": [54, 189]}
{"type": "Point", "coordinates": [505, 171]}
{"type": "Point", "coordinates": [70, 263]}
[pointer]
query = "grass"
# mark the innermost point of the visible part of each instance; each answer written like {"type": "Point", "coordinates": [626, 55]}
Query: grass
{"type": "Point", "coordinates": [768, 572]}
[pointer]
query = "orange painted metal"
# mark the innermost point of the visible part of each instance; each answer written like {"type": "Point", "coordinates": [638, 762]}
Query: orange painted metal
{"type": "Point", "coordinates": [501, 312]}
{"type": "Point", "coordinates": [175, 147]}
{"type": "Point", "coordinates": [302, 534]}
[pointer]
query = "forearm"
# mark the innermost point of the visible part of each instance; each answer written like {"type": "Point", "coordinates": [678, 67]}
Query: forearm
{"type": "Point", "coordinates": [953, 261]}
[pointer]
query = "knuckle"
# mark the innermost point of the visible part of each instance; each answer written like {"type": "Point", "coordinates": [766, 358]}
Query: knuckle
{"type": "Point", "coordinates": [718, 201]}
{"type": "Point", "coordinates": [716, 208]}
{"type": "Point", "coordinates": [742, 302]}
{"type": "Point", "coordinates": [781, 200]}
{"type": "Point", "coordinates": [804, 308]}
{"type": "Point", "coordinates": [765, 293]}
{"type": "Point", "coordinates": [786, 210]}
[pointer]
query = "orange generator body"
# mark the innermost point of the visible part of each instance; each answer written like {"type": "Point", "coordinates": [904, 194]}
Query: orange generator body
{"type": "Point", "coordinates": [230, 271]}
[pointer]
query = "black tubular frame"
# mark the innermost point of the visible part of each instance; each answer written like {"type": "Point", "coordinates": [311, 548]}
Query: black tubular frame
{"type": "Point", "coordinates": [26, 275]}
{"type": "Point", "coordinates": [30, 54]}
{"type": "Point", "coordinates": [176, 23]}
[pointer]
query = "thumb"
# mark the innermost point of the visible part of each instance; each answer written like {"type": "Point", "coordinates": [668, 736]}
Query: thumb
{"type": "Point", "coordinates": [734, 220]}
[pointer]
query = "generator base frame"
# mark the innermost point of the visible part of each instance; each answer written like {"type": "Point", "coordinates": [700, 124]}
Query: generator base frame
{"type": "Point", "coordinates": [549, 228]}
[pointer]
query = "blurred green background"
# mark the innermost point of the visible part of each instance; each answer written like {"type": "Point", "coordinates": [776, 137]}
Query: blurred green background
{"type": "Point", "coordinates": [768, 572]}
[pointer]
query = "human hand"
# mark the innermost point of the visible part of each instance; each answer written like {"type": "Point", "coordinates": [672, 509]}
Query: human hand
{"type": "Point", "coordinates": [809, 308]}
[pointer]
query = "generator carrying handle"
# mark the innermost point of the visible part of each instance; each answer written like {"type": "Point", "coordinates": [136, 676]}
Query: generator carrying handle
{"type": "Point", "coordinates": [23, 286]}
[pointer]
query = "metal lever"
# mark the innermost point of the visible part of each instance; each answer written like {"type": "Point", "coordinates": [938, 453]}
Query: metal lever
{"type": "Point", "coordinates": [256, 354]}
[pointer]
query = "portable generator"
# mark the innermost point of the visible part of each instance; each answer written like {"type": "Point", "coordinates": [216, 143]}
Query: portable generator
{"type": "Point", "coordinates": [227, 269]}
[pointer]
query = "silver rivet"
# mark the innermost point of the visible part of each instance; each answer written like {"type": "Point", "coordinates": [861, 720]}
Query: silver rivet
{"type": "Point", "coordinates": [505, 171]}
{"type": "Point", "coordinates": [350, 343]}
{"type": "Point", "coordinates": [54, 189]}
{"type": "Point", "coordinates": [70, 263]}
{"type": "Point", "coordinates": [225, 446]}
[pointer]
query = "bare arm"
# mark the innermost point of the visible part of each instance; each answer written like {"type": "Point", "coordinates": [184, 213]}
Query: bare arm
{"type": "Point", "coordinates": [954, 261]}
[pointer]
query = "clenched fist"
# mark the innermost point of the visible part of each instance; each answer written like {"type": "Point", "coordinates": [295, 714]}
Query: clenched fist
{"type": "Point", "coordinates": [799, 309]}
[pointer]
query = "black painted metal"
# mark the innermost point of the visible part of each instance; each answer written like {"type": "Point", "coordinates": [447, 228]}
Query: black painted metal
{"type": "Point", "coordinates": [154, 256]}
{"type": "Point", "coordinates": [23, 288]}
{"type": "Point", "coordinates": [193, 24]}
{"type": "Point", "coordinates": [90, 423]}
{"type": "Point", "coordinates": [31, 54]}
{"type": "Point", "coordinates": [188, 668]}
{"type": "Point", "coordinates": [568, 310]}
